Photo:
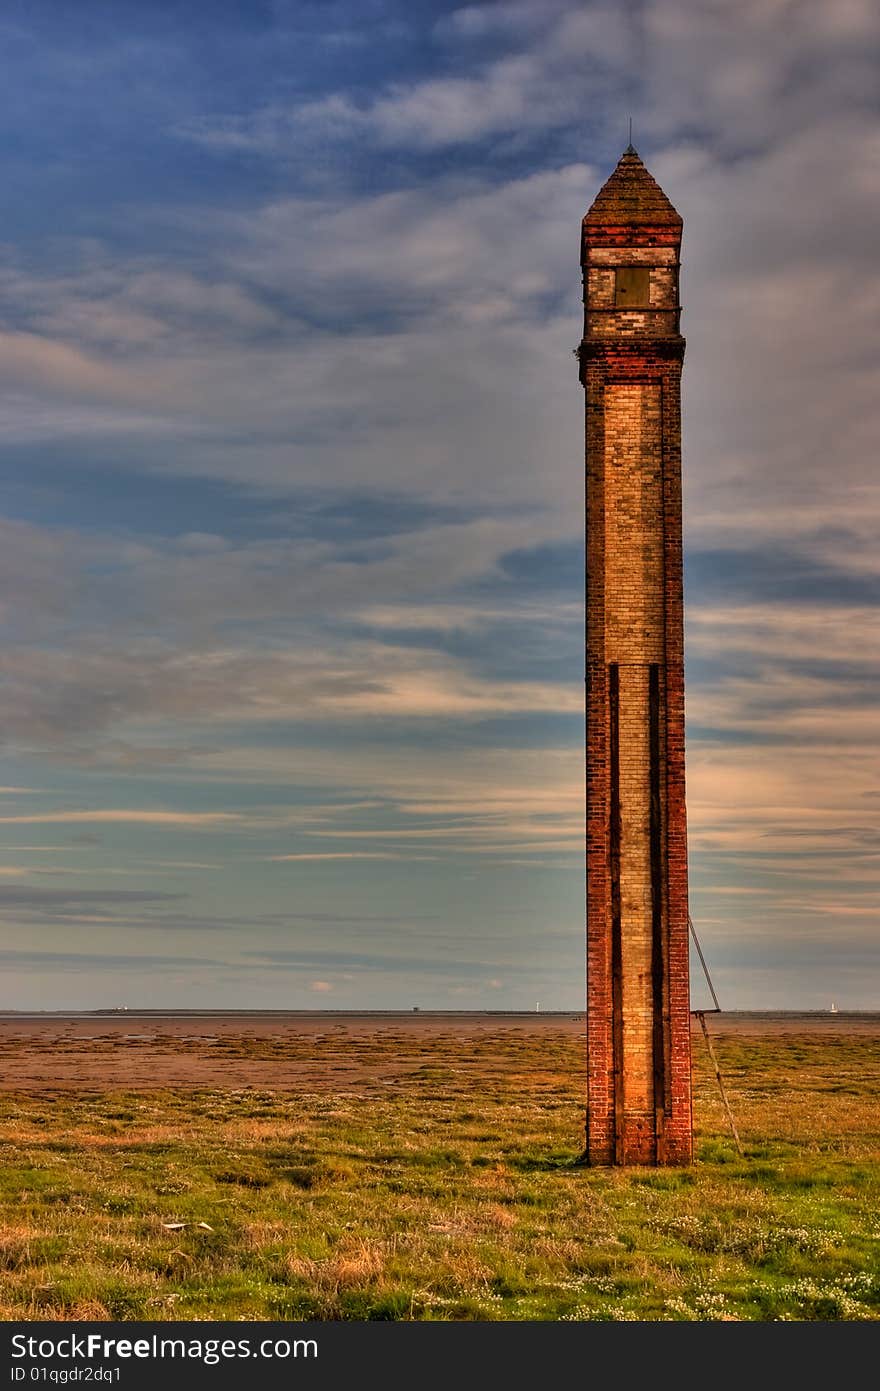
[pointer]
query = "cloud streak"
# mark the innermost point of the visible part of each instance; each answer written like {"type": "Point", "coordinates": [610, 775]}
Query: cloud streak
{"type": "Point", "coordinates": [116, 816]}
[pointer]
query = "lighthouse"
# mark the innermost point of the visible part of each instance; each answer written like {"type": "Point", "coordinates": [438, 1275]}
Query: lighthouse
{"type": "Point", "coordinates": [631, 355]}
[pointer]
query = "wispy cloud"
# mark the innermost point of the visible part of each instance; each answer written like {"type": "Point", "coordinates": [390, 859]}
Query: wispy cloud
{"type": "Point", "coordinates": [132, 816]}
{"type": "Point", "coordinates": [343, 855]}
{"type": "Point", "coordinates": [560, 57]}
{"type": "Point", "coordinates": [89, 962]}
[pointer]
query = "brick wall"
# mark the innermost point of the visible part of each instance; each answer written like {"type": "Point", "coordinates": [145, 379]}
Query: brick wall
{"type": "Point", "coordinates": [638, 1020]}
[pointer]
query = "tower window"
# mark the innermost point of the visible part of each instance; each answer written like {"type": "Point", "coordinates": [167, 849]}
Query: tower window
{"type": "Point", "coordinates": [631, 286]}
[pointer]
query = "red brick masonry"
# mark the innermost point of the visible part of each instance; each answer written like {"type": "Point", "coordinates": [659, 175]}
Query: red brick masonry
{"type": "Point", "coordinates": [638, 1022]}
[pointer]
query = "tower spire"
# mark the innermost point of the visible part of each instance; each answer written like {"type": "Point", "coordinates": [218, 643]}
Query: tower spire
{"type": "Point", "coordinates": [638, 1004]}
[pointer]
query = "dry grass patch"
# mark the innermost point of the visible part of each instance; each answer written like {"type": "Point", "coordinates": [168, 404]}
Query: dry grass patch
{"type": "Point", "coordinates": [452, 1195]}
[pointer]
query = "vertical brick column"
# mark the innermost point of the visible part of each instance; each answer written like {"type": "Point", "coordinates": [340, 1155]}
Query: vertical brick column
{"type": "Point", "coordinates": [638, 1007]}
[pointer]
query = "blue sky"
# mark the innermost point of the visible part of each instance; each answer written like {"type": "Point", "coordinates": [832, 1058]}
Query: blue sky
{"type": "Point", "coordinates": [291, 480]}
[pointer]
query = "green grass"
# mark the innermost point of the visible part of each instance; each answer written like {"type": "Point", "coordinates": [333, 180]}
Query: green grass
{"type": "Point", "coordinates": [451, 1195]}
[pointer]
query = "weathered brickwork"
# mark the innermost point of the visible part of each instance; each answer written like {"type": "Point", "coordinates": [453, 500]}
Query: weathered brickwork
{"type": "Point", "coordinates": [638, 1006]}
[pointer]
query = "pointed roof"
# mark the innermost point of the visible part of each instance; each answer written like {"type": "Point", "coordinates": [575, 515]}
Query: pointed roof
{"type": "Point", "coordinates": [631, 196]}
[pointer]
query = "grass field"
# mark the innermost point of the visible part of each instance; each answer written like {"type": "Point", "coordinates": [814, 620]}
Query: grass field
{"type": "Point", "coordinates": [449, 1195]}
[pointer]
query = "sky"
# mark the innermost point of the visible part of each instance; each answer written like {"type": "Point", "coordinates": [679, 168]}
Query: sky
{"type": "Point", "coordinates": [291, 493]}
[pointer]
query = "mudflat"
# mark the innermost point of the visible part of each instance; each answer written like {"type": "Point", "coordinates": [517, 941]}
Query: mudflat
{"type": "Point", "coordinates": [331, 1166]}
{"type": "Point", "coordinates": [318, 1051]}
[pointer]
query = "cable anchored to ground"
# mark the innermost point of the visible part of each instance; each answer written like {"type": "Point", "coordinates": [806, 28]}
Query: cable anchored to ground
{"type": "Point", "coordinates": [701, 1015]}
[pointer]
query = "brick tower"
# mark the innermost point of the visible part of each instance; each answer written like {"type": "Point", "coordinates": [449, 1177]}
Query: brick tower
{"type": "Point", "coordinates": [638, 1006]}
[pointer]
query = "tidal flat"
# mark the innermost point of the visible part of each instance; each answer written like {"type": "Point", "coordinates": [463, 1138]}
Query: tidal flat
{"type": "Point", "coordinates": [421, 1167]}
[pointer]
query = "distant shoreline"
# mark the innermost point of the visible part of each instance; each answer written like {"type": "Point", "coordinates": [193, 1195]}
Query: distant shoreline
{"type": "Point", "coordinates": [218, 1013]}
{"type": "Point", "coordinates": [327, 1051]}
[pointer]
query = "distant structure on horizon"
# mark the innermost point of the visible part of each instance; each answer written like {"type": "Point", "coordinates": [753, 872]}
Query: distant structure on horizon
{"type": "Point", "coordinates": [638, 1000]}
